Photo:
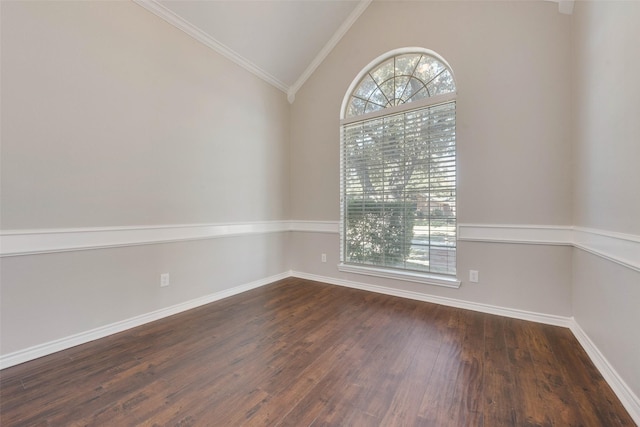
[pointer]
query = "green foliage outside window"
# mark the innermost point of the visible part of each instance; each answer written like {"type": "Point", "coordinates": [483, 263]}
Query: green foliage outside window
{"type": "Point", "coordinates": [379, 232]}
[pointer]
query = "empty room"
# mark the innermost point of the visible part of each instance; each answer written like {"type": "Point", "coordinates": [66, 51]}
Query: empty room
{"type": "Point", "coordinates": [320, 213]}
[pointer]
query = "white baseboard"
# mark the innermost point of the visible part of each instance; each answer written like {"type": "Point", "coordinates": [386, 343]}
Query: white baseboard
{"type": "Point", "coordinates": [51, 347]}
{"type": "Point", "coordinates": [548, 319]}
{"type": "Point", "coordinates": [629, 400]}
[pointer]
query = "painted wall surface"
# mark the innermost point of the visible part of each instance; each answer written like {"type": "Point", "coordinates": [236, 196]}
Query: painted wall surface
{"type": "Point", "coordinates": [511, 275]}
{"type": "Point", "coordinates": [53, 296]}
{"type": "Point", "coordinates": [511, 62]}
{"type": "Point", "coordinates": [606, 104]}
{"type": "Point", "coordinates": [113, 117]}
{"type": "Point", "coordinates": [607, 176]}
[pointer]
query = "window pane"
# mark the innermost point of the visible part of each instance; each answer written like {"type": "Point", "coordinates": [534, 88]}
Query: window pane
{"type": "Point", "coordinates": [421, 94]}
{"type": "Point", "coordinates": [400, 87]}
{"type": "Point", "coordinates": [366, 87]}
{"type": "Point", "coordinates": [377, 97]}
{"type": "Point", "coordinates": [384, 72]}
{"type": "Point", "coordinates": [405, 64]}
{"type": "Point", "coordinates": [428, 68]}
{"type": "Point", "coordinates": [356, 107]}
{"type": "Point", "coordinates": [401, 79]}
{"type": "Point", "coordinates": [372, 107]}
{"type": "Point", "coordinates": [443, 83]}
{"type": "Point", "coordinates": [388, 91]}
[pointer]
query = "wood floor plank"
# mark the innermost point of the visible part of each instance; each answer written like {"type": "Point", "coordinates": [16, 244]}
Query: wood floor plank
{"type": "Point", "coordinates": [467, 401]}
{"type": "Point", "coordinates": [551, 383]}
{"type": "Point", "coordinates": [499, 388]}
{"type": "Point", "coordinates": [591, 395]}
{"type": "Point", "coordinates": [436, 405]}
{"type": "Point", "coordinates": [528, 392]}
{"type": "Point", "coordinates": [303, 353]}
{"type": "Point", "coordinates": [411, 388]}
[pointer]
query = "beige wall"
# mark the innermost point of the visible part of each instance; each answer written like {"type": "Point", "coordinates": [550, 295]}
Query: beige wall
{"type": "Point", "coordinates": [607, 175]}
{"type": "Point", "coordinates": [113, 117]}
{"type": "Point", "coordinates": [606, 126]}
{"type": "Point", "coordinates": [511, 62]}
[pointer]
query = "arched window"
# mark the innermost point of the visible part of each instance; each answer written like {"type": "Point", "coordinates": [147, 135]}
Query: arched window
{"type": "Point", "coordinates": [398, 169]}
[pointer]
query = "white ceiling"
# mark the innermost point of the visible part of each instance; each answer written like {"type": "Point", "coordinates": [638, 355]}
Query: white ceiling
{"type": "Point", "coordinates": [281, 41]}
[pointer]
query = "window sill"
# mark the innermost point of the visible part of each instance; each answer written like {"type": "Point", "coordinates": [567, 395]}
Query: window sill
{"type": "Point", "coordinates": [410, 276]}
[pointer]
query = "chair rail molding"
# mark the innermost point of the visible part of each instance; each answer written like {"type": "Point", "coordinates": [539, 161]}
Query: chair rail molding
{"type": "Point", "coordinates": [516, 233]}
{"type": "Point", "coordinates": [620, 248]}
{"type": "Point", "coordinates": [40, 241]}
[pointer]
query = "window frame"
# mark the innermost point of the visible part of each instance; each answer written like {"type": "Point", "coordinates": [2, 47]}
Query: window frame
{"type": "Point", "coordinates": [379, 271]}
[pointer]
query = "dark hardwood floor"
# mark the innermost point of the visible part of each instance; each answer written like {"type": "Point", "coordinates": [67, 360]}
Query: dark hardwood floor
{"type": "Point", "coordinates": [301, 353]}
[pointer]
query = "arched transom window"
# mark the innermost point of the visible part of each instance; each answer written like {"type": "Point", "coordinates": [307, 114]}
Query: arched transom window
{"type": "Point", "coordinates": [398, 80]}
{"type": "Point", "coordinates": [398, 169]}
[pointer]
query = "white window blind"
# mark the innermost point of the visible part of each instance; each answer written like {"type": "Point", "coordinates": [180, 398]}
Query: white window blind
{"type": "Point", "coordinates": [399, 190]}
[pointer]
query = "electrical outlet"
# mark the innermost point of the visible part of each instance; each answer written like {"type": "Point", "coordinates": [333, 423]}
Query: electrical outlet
{"type": "Point", "coordinates": [473, 276]}
{"type": "Point", "coordinates": [164, 280]}
{"type": "Point", "coordinates": [324, 257]}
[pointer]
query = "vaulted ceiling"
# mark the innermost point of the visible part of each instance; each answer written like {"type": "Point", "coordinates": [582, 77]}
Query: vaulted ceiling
{"type": "Point", "coordinates": [281, 41]}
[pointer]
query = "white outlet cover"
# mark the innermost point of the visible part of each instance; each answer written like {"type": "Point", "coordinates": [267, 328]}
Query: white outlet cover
{"type": "Point", "coordinates": [473, 276]}
{"type": "Point", "coordinates": [164, 279]}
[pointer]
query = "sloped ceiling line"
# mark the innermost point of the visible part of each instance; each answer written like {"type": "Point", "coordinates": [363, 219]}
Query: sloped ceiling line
{"type": "Point", "coordinates": [177, 21]}
{"type": "Point", "coordinates": [324, 52]}
{"type": "Point", "coordinates": [156, 8]}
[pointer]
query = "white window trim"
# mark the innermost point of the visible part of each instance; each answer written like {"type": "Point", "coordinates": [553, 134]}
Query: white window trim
{"type": "Point", "coordinates": [381, 58]}
{"type": "Point", "coordinates": [450, 281]}
{"type": "Point", "coordinates": [416, 105]}
{"type": "Point", "coordinates": [406, 275]}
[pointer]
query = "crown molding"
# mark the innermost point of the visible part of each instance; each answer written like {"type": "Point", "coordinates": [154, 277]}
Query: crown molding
{"type": "Point", "coordinates": [169, 16]}
{"type": "Point", "coordinates": [324, 52]}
